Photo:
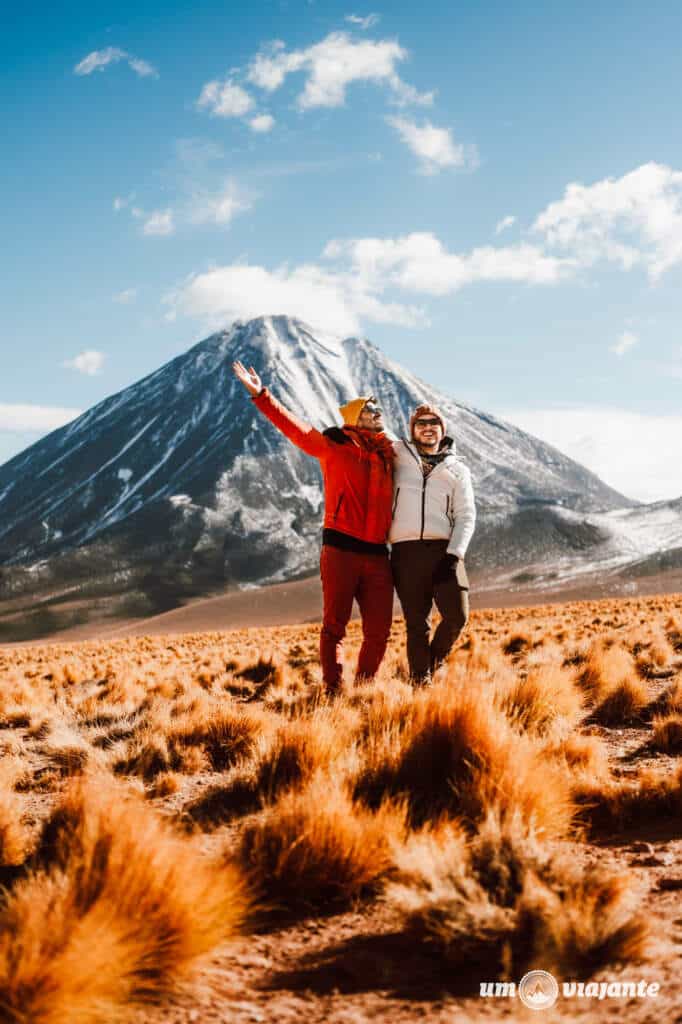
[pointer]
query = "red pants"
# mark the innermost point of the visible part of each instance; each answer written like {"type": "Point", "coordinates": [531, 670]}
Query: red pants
{"type": "Point", "coordinates": [367, 578]}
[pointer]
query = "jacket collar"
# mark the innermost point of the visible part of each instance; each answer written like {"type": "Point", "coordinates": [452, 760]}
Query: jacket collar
{"type": "Point", "coordinates": [447, 445]}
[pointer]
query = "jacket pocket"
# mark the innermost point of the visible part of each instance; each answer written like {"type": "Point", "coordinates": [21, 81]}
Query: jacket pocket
{"type": "Point", "coordinates": [395, 503]}
{"type": "Point", "coordinates": [338, 506]}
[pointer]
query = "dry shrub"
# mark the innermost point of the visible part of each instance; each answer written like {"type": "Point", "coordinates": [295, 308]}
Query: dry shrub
{"type": "Point", "coordinates": [653, 655]}
{"type": "Point", "coordinates": [655, 795]}
{"type": "Point", "coordinates": [623, 704]}
{"type": "Point", "coordinates": [227, 735]}
{"type": "Point", "coordinates": [267, 669]}
{"type": "Point", "coordinates": [166, 784]}
{"type": "Point", "coordinates": [604, 669]}
{"type": "Point", "coordinates": [583, 755]}
{"type": "Point", "coordinates": [517, 643]}
{"type": "Point", "coordinates": [304, 746]}
{"type": "Point", "coordinates": [546, 695]}
{"type": "Point", "coordinates": [316, 847]}
{"type": "Point", "coordinates": [147, 755]}
{"type": "Point", "coordinates": [13, 834]}
{"type": "Point", "coordinates": [443, 904]}
{"type": "Point", "coordinates": [453, 754]}
{"type": "Point", "coordinates": [610, 680]}
{"type": "Point", "coordinates": [120, 911]}
{"type": "Point", "coordinates": [671, 700]}
{"type": "Point", "coordinates": [667, 734]}
{"type": "Point", "coordinates": [503, 902]}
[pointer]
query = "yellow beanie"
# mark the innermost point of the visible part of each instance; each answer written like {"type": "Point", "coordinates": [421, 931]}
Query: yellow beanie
{"type": "Point", "coordinates": [351, 410]}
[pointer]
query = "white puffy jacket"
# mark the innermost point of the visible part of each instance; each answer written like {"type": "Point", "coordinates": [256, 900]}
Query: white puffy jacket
{"type": "Point", "coordinates": [436, 507]}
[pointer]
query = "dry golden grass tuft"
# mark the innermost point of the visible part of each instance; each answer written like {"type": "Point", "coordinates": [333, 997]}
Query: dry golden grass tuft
{"type": "Point", "coordinates": [13, 834]}
{"type": "Point", "coordinates": [606, 667]}
{"type": "Point", "coordinates": [503, 901]}
{"type": "Point", "coordinates": [316, 848]}
{"type": "Point", "coordinates": [585, 757]}
{"type": "Point", "coordinates": [118, 911]}
{"type": "Point", "coordinates": [623, 704]}
{"type": "Point", "coordinates": [546, 696]}
{"type": "Point", "coordinates": [451, 753]}
{"type": "Point", "coordinates": [667, 733]}
{"type": "Point", "coordinates": [655, 795]}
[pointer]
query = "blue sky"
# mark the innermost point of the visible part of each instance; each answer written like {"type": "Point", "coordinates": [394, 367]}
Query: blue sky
{"type": "Point", "coordinates": [491, 192]}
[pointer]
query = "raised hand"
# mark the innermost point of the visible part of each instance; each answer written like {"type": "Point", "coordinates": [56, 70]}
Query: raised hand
{"type": "Point", "coordinates": [249, 378]}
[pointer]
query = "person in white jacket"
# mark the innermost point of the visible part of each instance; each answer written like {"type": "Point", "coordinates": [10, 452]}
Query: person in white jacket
{"type": "Point", "coordinates": [434, 516]}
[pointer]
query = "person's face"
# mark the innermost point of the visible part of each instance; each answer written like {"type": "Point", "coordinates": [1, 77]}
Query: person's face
{"type": "Point", "coordinates": [428, 431]}
{"type": "Point", "coordinates": [371, 417]}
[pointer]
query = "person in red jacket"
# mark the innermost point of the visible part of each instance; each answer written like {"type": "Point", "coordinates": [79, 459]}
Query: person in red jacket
{"type": "Point", "coordinates": [357, 469]}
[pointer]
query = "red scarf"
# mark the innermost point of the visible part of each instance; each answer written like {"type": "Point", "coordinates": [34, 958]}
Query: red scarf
{"type": "Point", "coordinates": [372, 441]}
{"type": "Point", "coordinates": [380, 493]}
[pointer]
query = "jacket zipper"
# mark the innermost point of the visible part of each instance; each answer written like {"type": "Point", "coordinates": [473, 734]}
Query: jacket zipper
{"type": "Point", "coordinates": [424, 479]}
{"type": "Point", "coordinates": [395, 502]}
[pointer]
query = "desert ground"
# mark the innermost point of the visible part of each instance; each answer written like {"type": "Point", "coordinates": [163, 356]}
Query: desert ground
{"type": "Point", "coordinates": [191, 829]}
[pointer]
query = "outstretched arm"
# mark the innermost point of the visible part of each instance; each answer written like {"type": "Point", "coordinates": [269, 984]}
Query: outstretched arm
{"type": "Point", "coordinates": [302, 434]}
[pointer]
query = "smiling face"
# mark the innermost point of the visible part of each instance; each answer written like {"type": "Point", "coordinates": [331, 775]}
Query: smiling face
{"type": "Point", "coordinates": [427, 432]}
{"type": "Point", "coordinates": [371, 417]}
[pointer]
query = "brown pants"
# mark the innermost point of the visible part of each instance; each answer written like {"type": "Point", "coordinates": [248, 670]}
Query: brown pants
{"type": "Point", "coordinates": [422, 577]}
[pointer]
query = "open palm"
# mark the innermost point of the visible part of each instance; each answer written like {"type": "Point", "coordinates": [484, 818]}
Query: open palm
{"type": "Point", "coordinates": [249, 378]}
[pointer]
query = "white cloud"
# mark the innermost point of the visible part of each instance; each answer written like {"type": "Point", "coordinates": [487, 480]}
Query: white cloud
{"type": "Point", "coordinates": [120, 203]}
{"type": "Point", "coordinates": [159, 223]}
{"type": "Point", "coordinates": [364, 23]}
{"type": "Point", "coordinates": [225, 99]}
{"type": "Point", "coordinates": [335, 301]}
{"type": "Point", "coordinates": [262, 123]}
{"type": "Point", "coordinates": [638, 454]}
{"type": "Point", "coordinates": [220, 207]}
{"type": "Point", "coordinates": [506, 222]}
{"type": "Point", "coordinates": [626, 341]}
{"type": "Point", "coordinates": [331, 66]}
{"type": "Point", "coordinates": [142, 67]}
{"type": "Point", "coordinates": [434, 146]}
{"type": "Point", "coordinates": [98, 60]}
{"type": "Point", "coordinates": [632, 220]}
{"type": "Point", "coordinates": [126, 296]}
{"type": "Point", "coordinates": [35, 418]}
{"type": "Point", "coordinates": [89, 362]}
{"type": "Point", "coordinates": [419, 262]}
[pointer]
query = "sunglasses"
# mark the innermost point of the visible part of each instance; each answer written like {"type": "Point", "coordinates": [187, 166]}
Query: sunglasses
{"type": "Point", "coordinates": [373, 410]}
{"type": "Point", "coordinates": [427, 423]}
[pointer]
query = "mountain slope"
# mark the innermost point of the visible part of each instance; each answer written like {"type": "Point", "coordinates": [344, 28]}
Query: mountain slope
{"type": "Point", "coordinates": [180, 476]}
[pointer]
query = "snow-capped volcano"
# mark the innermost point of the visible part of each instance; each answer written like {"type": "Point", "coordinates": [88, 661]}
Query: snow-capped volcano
{"type": "Point", "coordinates": [180, 474]}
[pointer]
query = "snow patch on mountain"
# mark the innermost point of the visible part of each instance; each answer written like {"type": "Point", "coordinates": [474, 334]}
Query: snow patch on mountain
{"type": "Point", "coordinates": [185, 453]}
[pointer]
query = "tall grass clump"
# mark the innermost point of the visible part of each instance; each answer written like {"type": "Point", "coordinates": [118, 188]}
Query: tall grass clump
{"type": "Point", "coordinates": [502, 902]}
{"type": "Point", "coordinates": [453, 753]}
{"type": "Point", "coordinates": [117, 912]}
{"type": "Point", "coordinates": [316, 847]}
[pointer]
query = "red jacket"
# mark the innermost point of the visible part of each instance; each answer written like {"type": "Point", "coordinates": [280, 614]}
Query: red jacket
{"type": "Point", "coordinates": [358, 474]}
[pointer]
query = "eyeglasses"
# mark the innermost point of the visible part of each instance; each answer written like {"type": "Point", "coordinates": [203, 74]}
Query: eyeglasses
{"type": "Point", "coordinates": [372, 410]}
{"type": "Point", "coordinates": [427, 423]}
